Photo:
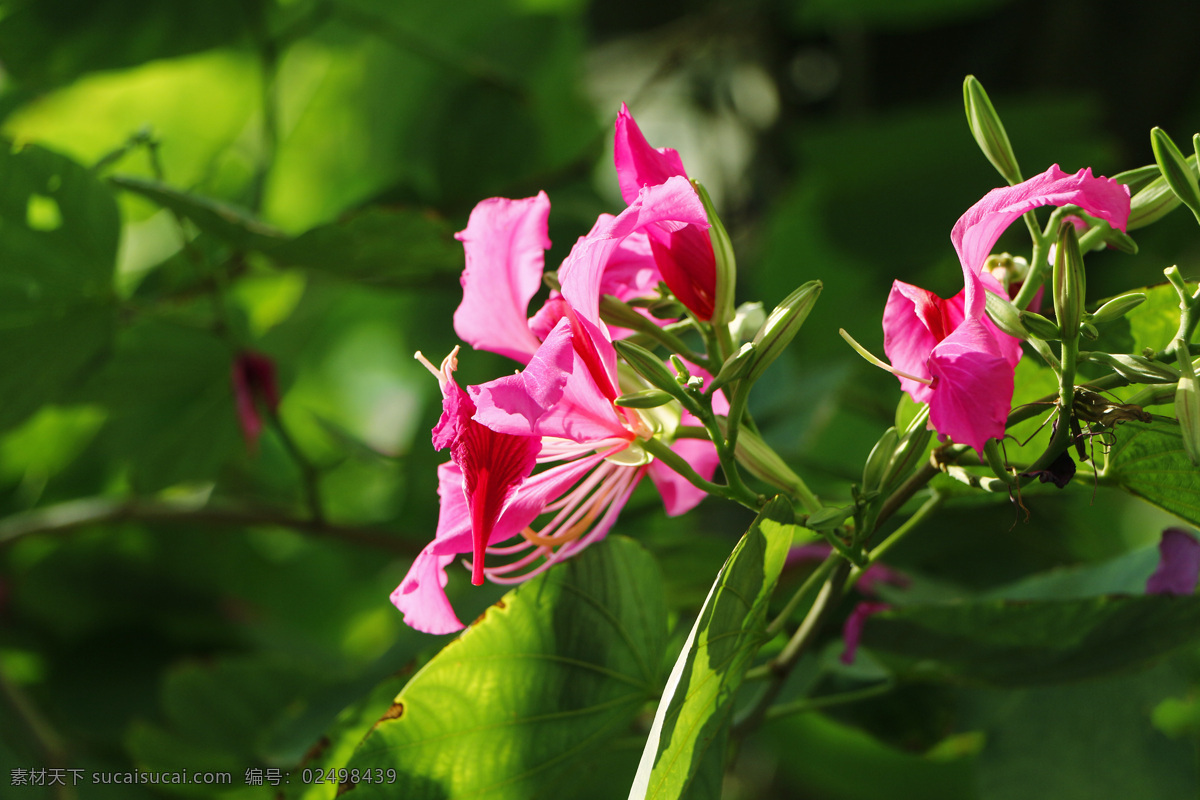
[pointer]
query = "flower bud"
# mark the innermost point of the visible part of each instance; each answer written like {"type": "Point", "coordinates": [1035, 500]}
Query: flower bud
{"type": "Point", "coordinates": [1089, 331]}
{"type": "Point", "coordinates": [910, 450]}
{"type": "Point", "coordinates": [734, 367]}
{"type": "Point", "coordinates": [1151, 203]}
{"type": "Point", "coordinates": [1039, 327]}
{"type": "Point", "coordinates": [877, 461]}
{"type": "Point", "coordinates": [989, 131]}
{"type": "Point", "coordinates": [726, 262]}
{"type": "Point", "coordinates": [1134, 369]}
{"type": "Point", "coordinates": [647, 398]}
{"type": "Point", "coordinates": [828, 518]}
{"type": "Point", "coordinates": [1117, 307]}
{"type": "Point", "coordinates": [650, 367]}
{"type": "Point", "coordinates": [1006, 316]}
{"type": "Point", "coordinates": [1069, 283]}
{"type": "Point", "coordinates": [1175, 170]}
{"type": "Point", "coordinates": [761, 460]}
{"type": "Point", "coordinates": [1187, 402]}
{"type": "Point", "coordinates": [782, 325]}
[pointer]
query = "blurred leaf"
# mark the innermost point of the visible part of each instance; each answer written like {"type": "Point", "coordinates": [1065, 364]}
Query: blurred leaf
{"type": "Point", "coordinates": [686, 747]}
{"type": "Point", "coordinates": [1148, 459]}
{"type": "Point", "coordinates": [236, 226]}
{"type": "Point", "coordinates": [58, 244]}
{"type": "Point", "coordinates": [1027, 643]}
{"type": "Point", "coordinates": [1092, 741]}
{"type": "Point", "coordinates": [886, 15]}
{"type": "Point", "coordinates": [84, 36]}
{"type": "Point", "coordinates": [537, 685]}
{"type": "Point", "coordinates": [171, 412]}
{"type": "Point", "coordinates": [1156, 321]}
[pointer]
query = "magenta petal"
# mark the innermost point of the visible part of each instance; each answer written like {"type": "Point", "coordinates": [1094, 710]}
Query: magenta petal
{"type": "Point", "coordinates": [913, 324]}
{"type": "Point", "coordinates": [422, 595]}
{"type": "Point", "coordinates": [973, 386]}
{"type": "Point", "coordinates": [638, 164]}
{"type": "Point", "coordinates": [514, 404]}
{"type": "Point", "coordinates": [976, 231]}
{"type": "Point", "coordinates": [505, 243]}
{"type": "Point", "coordinates": [680, 495]}
{"type": "Point", "coordinates": [1179, 564]}
{"type": "Point", "coordinates": [671, 205]}
{"type": "Point", "coordinates": [852, 630]}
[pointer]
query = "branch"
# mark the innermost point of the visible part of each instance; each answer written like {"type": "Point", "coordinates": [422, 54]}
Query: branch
{"type": "Point", "coordinates": [74, 514]}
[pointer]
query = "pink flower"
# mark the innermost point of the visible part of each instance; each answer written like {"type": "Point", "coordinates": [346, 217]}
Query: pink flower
{"type": "Point", "coordinates": [557, 412]}
{"type": "Point", "coordinates": [1178, 566]}
{"type": "Point", "coordinates": [684, 253]}
{"type": "Point", "coordinates": [253, 378]}
{"type": "Point", "coordinates": [954, 358]}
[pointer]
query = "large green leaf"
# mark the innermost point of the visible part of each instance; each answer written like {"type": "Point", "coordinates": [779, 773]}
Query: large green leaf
{"type": "Point", "coordinates": [58, 246]}
{"type": "Point", "coordinates": [685, 748]}
{"type": "Point", "coordinates": [1028, 643]}
{"type": "Point", "coordinates": [540, 684]}
{"type": "Point", "coordinates": [1148, 460]}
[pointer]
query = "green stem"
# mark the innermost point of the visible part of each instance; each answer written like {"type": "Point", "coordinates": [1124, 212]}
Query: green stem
{"type": "Point", "coordinates": [661, 451]}
{"type": "Point", "coordinates": [819, 574]}
{"type": "Point", "coordinates": [1039, 263]}
{"type": "Point", "coordinates": [309, 475]}
{"type": "Point", "coordinates": [42, 734]}
{"type": "Point", "coordinates": [814, 703]}
{"type": "Point", "coordinates": [877, 553]}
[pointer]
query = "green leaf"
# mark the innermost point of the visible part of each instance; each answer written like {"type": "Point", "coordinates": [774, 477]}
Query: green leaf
{"type": "Point", "coordinates": [1026, 643]}
{"type": "Point", "coordinates": [687, 742]}
{"type": "Point", "coordinates": [1092, 741]}
{"type": "Point", "coordinates": [540, 684]}
{"type": "Point", "coordinates": [1148, 459]}
{"type": "Point", "coordinates": [58, 245]}
{"type": "Point", "coordinates": [1155, 322]}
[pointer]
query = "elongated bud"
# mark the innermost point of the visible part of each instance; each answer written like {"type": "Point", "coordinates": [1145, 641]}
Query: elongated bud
{"type": "Point", "coordinates": [828, 518]}
{"type": "Point", "coordinates": [877, 461]}
{"type": "Point", "coordinates": [734, 367]}
{"type": "Point", "coordinates": [1139, 177]}
{"type": "Point", "coordinates": [1134, 369]}
{"type": "Point", "coordinates": [1006, 316]}
{"type": "Point", "coordinates": [909, 452]}
{"type": "Point", "coordinates": [782, 325]}
{"type": "Point", "coordinates": [988, 131]}
{"type": "Point", "coordinates": [650, 367]}
{"type": "Point", "coordinates": [1118, 307]}
{"type": "Point", "coordinates": [761, 460]}
{"type": "Point", "coordinates": [1069, 283]}
{"type": "Point", "coordinates": [1187, 402]}
{"type": "Point", "coordinates": [1151, 203]}
{"type": "Point", "coordinates": [616, 312]}
{"type": "Point", "coordinates": [647, 398]}
{"type": "Point", "coordinates": [1175, 170]}
{"type": "Point", "coordinates": [1089, 331]}
{"type": "Point", "coordinates": [726, 262]}
{"type": "Point", "coordinates": [1039, 327]}
{"type": "Point", "coordinates": [995, 461]}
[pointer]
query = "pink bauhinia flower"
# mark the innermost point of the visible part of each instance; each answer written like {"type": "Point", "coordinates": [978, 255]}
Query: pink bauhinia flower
{"type": "Point", "coordinates": [952, 356]}
{"type": "Point", "coordinates": [558, 411]}
{"type": "Point", "coordinates": [684, 254]}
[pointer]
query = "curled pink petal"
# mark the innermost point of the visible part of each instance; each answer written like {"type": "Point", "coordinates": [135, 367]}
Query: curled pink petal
{"type": "Point", "coordinates": [505, 243]}
{"type": "Point", "coordinates": [1178, 566]}
{"type": "Point", "coordinates": [973, 386]}
{"type": "Point", "coordinates": [638, 164]}
{"type": "Point", "coordinates": [852, 630]}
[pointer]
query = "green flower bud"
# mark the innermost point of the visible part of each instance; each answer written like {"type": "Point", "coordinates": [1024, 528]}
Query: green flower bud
{"type": "Point", "coordinates": [1117, 307]}
{"type": "Point", "coordinates": [1069, 283]}
{"type": "Point", "coordinates": [1006, 316]}
{"type": "Point", "coordinates": [726, 262]}
{"type": "Point", "coordinates": [1150, 204]}
{"type": "Point", "coordinates": [761, 460]}
{"type": "Point", "coordinates": [651, 367]}
{"type": "Point", "coordinates": [1175, 170]}
{"type": "Point", "coordinates": [682, 373]}
{"type": "Point", "coordinates": [1039, 326]}
{"type": "Point", "coordinates": [909, 452]}
{"type": "Point", "coordinates": [877, 461]}
{"type": "Point", "coordinates": [1089, 331]}
{"type": "Point", "coordinates": [1134, 369]}
{"type": "Point", "coordinates": [828, 518]}
{"type": "Point", "coordinates": [782, 325]}
{"type": "Point", "coordinates": [1138, 177]}
{"type": "Point", "coordinates": [616, 312]}
{"type": "Point", "coordinates": [1187, 402]}
{"type": "Point", "coordinates": [734, 367]}
{"type": "Point", "coordinates": [989, 131]}
{"type": "Point", "coordinates": [647, 398]}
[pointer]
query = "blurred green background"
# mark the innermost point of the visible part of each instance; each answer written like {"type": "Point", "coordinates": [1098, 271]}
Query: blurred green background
{"type": "Point", "coordinates": [159, 604]}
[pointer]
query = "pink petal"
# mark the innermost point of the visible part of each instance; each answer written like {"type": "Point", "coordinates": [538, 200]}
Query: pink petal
{"type": "Point", "coordinates": [852, 630]}
{"type": "Point", "coordinates": [689, 267]}
{"type": "Point", "coordinates": [678, 493]}
{"type": "Point", "coordinates": [671, 205]}
{"type": "Point", "coordinates": [976, 232]}
{"type": "Point", "coordinates": [1178, 566]}
{"type": "Point", "coordinates": [514, 404]}
{"type": "Point", "coordinates": [973, 386]}
{"type": "Point", "coordinates": [913, 323]}
{"type": "Point", "coordinates": [638, 164]}
{"type": "Point", "coordinates": [422, 595]}
{"type": "Point", "coordinates": [505, 243]}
